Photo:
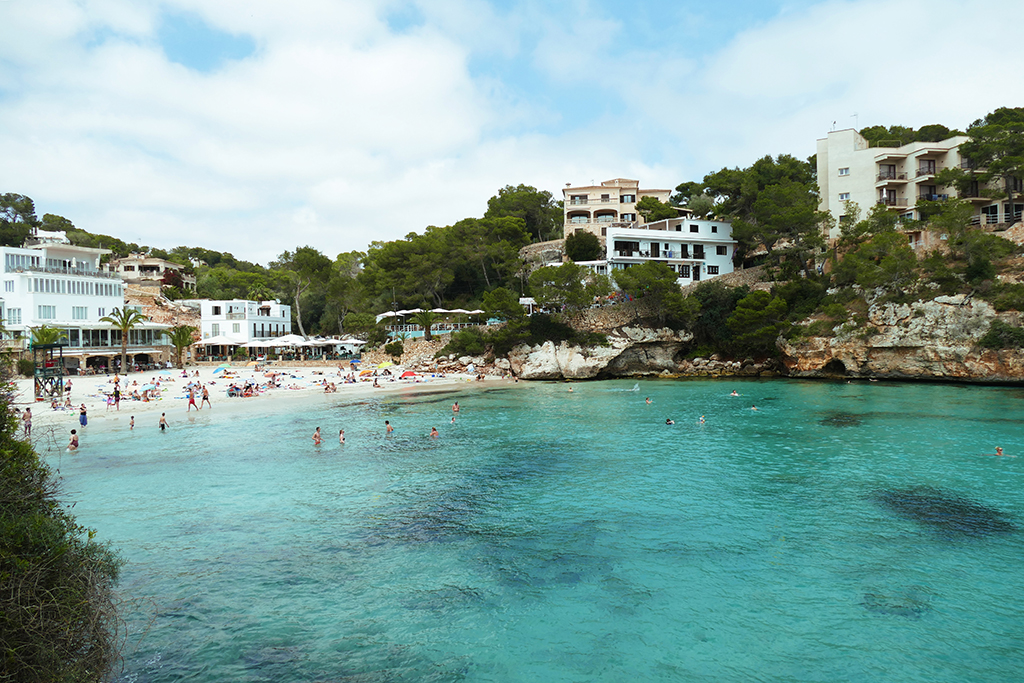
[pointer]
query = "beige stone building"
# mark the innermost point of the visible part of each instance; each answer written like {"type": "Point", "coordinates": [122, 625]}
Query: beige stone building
{"type": "Point", "coordinates": [595, 208]}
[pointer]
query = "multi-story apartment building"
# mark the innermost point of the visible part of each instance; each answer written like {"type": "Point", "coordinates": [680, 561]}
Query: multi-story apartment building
{"type": "Point", "coordinates": [244, 321]}
{"type": "Point", "coordinates": [141, 268]}
{"type": "Point", "coordinates": [596, 208]}
{"type": "Point", "coordinates": [850, 169]}
{"type": "Point", "coordinates": [54, 283]}
{"type": "Point", "coordinates": [695, 249]}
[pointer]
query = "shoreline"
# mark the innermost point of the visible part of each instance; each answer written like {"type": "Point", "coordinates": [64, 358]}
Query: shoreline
{"type": "Point", "coordinates": [298, 384]}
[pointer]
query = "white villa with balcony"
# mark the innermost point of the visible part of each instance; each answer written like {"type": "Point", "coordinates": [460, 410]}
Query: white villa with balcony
{"type": "Point", "coordinates": [899, 177]}
{"type": "Point", "coordinates": [54, 283]}
{"type": "Point", "coordinates": [243, 321]}
{"type": "Point", "coordinates": [142, 268]}
{"type": "Point", "coordinates": [597, 208]}
{"type": "Point", "coordinates": [694, 249]}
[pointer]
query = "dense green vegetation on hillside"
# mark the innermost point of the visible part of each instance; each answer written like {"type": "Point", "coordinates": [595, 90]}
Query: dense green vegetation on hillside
{"type": "Point", "coordinates": [773, 207]}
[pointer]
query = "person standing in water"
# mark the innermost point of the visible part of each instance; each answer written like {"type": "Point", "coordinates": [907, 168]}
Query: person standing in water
{"type": "Point", "coordinates": [387, 427]}
{"type": "Point", "coordinates": [73, 443]}
{"type": "Point", "coordinates": [163, 421]}
{"type": "Point", "coordinates": [26, 422]}
{"type": "Point", "coordinates": [341, 436]}
{"type": "Point", "coordinates": [192, 400]}
{"type": "Point", "coordinates": [317, 440]}
{"type": "Point", "coordinates": [433, 432]}
{"type": "Point", "coordinates": [131, 423]}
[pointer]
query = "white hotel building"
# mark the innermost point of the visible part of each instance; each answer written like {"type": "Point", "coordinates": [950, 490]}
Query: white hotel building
{"type": "Point", "coordinates": [244, 321]}
{"type": "Point", "coordinates": [55, 283]}
{"type": "Point", "coordinates": [695, 249]}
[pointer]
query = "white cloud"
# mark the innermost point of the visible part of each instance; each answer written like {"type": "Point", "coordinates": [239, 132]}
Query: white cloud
{"type": "Point", "coordinates": [337, 131]}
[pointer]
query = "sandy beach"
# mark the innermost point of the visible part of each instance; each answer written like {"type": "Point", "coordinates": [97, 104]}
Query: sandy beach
{"type": "Point", "coordinates": [295, 384]}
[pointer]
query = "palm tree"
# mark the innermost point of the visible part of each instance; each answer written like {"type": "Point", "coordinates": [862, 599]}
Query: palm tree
{"type": "Point", "coordinates": [124, 319]}
{"type": "Point", "coordinates": [180, 337]}
{"type": "Point", "coordinates": [426, 320]}
{"type": "Point", "coordinates": [44, 334]}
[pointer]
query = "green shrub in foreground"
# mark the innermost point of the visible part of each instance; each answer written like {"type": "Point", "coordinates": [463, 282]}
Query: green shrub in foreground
{"type": "Point", "coordinates": [57, 615]}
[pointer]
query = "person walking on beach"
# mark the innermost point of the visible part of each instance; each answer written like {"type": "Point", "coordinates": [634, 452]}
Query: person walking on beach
{"type": "Point", "coordinates": [192, 400]}
{"type": "Point", "coordinates": [387, 427]}
{"type": "Point", "coordinates": [117, 397]}
{"type": "Point", "coordinates": [83, 417]}
{"type": "Point", "coordinates": [206, 398]}
{"type": "Point", "coordinates": [73, 442]}
{"type": "Point", "coordinates": [317, 440]}
{"type": "Point", "coordinates": [26, 422]}
{"type": "Point", "coordinates": [163, 421]}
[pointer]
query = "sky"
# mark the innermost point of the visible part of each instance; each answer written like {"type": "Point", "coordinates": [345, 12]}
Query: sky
{"type": "Point", "coordinates": [258, 126]}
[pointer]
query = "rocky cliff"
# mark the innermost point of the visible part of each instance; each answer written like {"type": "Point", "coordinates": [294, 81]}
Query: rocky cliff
{"type": "Point", "coordinates": [935, 339]}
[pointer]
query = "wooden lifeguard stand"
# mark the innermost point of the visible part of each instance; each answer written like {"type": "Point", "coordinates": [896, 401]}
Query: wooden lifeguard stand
{"type": "Point", "coordinates": [49, 376]}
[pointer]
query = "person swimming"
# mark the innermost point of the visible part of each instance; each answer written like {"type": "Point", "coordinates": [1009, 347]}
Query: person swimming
{"type": "Point", "coordinates": [999, 451]}
{"type": "Point", "coordinates": [433, 432]}
{"type": "Point", "coordinates": [702, 419]}
{"type": "Point", "coordinates": [734, 393]}
{"type": "Point", "coordinates": [669, 421]}
{"type": "Point", "coordinates": [648, 399]}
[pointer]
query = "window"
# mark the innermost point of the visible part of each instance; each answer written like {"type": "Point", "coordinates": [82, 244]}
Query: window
{"type": "Point", "coordinates": [214, 329]}
{"type": "Point", "coordinates": [604, 232]}
{"type": "Point", "coordinates": [215, 311]}
{"type": "Point", "coordinates": [714, 228]}
{"type": "Point", "coordinates": [627, 199]}
{"type": "Point", "coordinates": [47, 312]}
{"type": "Point", "coordinates": [684, 271]}
{"type": "Point", "coordinates": [844, 196]}
{"type": "Point", "coordinates": [79, 312]}
{"type": "Point", "coordinates": [235, 328]}
{"type": "Point", "coordinates": [694, 228]}
{"type": "Point", "coordinates": [578, 199]}
{"type": "Point", "coordinates": [100, 312]}
{"type": "Point", "coordinates": [628, 217]}
{"type": "Point", "coordinates": [722, 250]}
{"type": "Point", "coordinates": [127, 268]}
{"type": "Point", "coordinates": [712, 270]}
{"type": "Point", "coordinates": [8, 285]}
{"type": "Point", "coordinates": [13, 316]}
{"type": "Point", "coordinates": [606, 198]}
{"type": "Point", "coordinates": [698, 251]}
{"type": "Point", "coordinates": [844, 171]}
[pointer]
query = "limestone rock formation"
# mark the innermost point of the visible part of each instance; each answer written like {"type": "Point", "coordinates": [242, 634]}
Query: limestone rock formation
{"type": "Point", "coordinates": [630, 351]}
{"type": "Point", "coordinates": [935, 339]}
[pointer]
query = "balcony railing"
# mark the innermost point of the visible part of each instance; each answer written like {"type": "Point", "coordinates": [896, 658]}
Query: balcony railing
{"type": "Point", "coordinates": [63, 271]}
{"type": "Point", "coordinates": [893, 201]}
{"type": "Point", "coordinates": [926, 170]}
{"type": "Point", "coordinates": [929, 197]}
{"type": "Point", "coordinates": [235, 316]}
{"type": "Point", "coordinates": [891, 175]}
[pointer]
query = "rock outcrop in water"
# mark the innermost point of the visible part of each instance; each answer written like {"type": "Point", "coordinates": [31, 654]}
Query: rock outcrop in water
{"type": "Point", "coordinates": [935, 339]}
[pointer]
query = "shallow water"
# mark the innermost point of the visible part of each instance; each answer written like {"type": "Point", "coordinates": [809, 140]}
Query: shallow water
{"type": "Point", "coordinates": [840, 532]}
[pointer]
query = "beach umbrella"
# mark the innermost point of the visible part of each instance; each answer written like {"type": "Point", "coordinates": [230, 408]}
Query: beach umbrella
{"type": "Point", "coordinates": [365, 372]}
{"type": "Point", "coordinates": [147, 387]}
{"type": "Point", "coordinates": [165, 372]}
{"type": "Point", "coordinates": [224, 365]}
{"type": "Point", "coordinates": [385, 364]}
{"type": "Point", "coordinates": [407, 373]}
{"type": "Point", "coordinates": [355, 362]}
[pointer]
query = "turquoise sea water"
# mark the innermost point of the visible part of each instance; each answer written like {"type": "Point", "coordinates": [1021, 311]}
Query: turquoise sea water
{"type": "Point", "coordinates": [841, 532]}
